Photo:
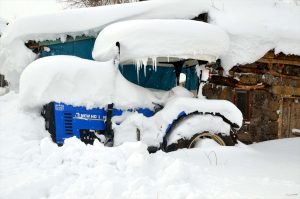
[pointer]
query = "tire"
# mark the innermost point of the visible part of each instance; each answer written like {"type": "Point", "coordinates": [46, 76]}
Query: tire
{"type": "Point", "coordinates": [205, 135]}
{"type": "Point", "coordinates": [192, 143]}
{"type": "Point", "coordinates": [221, 139]}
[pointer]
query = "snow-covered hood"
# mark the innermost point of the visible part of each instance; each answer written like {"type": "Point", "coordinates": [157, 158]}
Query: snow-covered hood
{"type": "Point", "coordinates": [82, 82]}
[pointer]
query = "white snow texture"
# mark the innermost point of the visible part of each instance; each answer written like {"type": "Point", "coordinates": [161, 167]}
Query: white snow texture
{"type": "Point", "coordinates": [32, 166]}
{"type": "Point", "coordinates": [254, 27]}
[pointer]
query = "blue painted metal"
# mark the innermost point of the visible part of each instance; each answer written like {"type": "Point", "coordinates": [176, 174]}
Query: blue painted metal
{"type": "Point", "coordinates": [80, 48]}
{"type": "Point", "coordinates": [69, 120]}
{"type": "Point", "coordinates": [163, 78]}
{"type": "Point", "coordinates": [181, 114]}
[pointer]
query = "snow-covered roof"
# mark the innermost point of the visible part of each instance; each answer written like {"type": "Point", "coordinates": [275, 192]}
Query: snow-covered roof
{"type": "Point", "coordinates": [254, 27]}
{"type": "Point", "coordinates": [90, 21]}
{"type": "Point", "coordinates": [140, 39]}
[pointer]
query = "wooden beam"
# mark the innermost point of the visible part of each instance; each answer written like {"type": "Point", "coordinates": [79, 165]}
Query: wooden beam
{"type": "Point", "coordinates": [286, 90]}
{"type": "Point", "coordinates": [279, 61]}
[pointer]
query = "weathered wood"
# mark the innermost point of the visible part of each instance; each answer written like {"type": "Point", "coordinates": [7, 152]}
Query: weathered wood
{"type": "Point", "coordinates": [279, 61]}
{"type": "Point", "coordinates": [270, 55]}
{"type": "Point", "coordinates": [251, 87]}
{"type": "Point", "coordinates": [229, 81]}
{"type": "Point", "coordinates": [225, 81]}
{"type": "Point", "coordinates": [290, 116]}
{"type": "Point", "coordinates": [285, 91]}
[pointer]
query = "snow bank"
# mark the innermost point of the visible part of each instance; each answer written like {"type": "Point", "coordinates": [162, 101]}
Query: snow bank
{"type": "Point", "coordinates": [80, 82]}
{"type": "Point", "coordinates": [3, 25]}
{"type": "Point", "coordinates": [13, 60]}
{"type": "Point", "coordinates": [161, 38]}
{"type": "Point", "coordinates": [32, 166]}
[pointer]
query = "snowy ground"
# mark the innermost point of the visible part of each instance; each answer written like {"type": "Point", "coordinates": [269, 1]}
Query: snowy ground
{"type": "Point", "coordinates": [32, 167]}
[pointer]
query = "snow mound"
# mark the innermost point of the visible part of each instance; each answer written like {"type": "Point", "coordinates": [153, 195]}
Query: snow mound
{"type": "Point", "coordinates": [3, 25]}
{"type": "Point", "coordinates": [153, 129]}
{"type": "Point", "coordinates": [82, 82]}
{"type": "Point", "coordinates": [140, 39]}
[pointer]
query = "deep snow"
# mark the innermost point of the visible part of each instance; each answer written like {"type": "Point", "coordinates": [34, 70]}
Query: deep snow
{"type": "Point", "coordinates": [3, 25]}
{"type": "Point", "coordinates": [32, 167]}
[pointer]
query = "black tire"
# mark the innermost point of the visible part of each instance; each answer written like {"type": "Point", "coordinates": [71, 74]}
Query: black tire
{"type": "Point", "coordinates": [226, 140]}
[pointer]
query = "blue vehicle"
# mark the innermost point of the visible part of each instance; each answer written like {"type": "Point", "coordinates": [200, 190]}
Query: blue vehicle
{"type": "Point", "coordinates": [64, 120]}
{"type": "Point", "coordinates": [178, 122]}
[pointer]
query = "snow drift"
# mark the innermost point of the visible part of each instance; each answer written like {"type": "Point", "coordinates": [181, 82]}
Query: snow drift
{"type": "Point", "coordinates": [3, 25]}
{"type": "Point", "coordinates": [32, 166]}
{"type": "Point", "coordinates": [80, 82]}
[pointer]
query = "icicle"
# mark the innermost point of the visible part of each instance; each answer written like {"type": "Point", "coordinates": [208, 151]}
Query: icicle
{"type": "Point", "coordinates": [154, 61]}
{"type": "Point", "coordinates": [145, 61]}
{"type": "Point", "coordinates": [138, 67]}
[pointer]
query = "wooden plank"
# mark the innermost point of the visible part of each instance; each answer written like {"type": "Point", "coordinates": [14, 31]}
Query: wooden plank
{"type": "Point", "coordinates": [279, 61]}
{"type": "Point", "coordinates": [286, 91]}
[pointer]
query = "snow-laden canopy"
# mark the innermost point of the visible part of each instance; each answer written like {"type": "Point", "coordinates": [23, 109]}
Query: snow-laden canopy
{"type": "Point", "coordinates": [140, 39]}
{"type": "Point", "coordinates": [254, 27]}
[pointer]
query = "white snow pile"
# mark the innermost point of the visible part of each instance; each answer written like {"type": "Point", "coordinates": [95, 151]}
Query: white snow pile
{"type": "Point", "coordinates": [89, 21]}
{"type": "Point", "coordinates": [3, 25]}
{"type": "Point", "coordinates": [153, 129]}
{"type": "Point", "coordinates": [140, 39]}
{"type": "Point", "coordinates": [80, 82]}
{"type": "Point", "coordinates": [32, 166]}
{"type": "Point", "coordinates": [254, 27]}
